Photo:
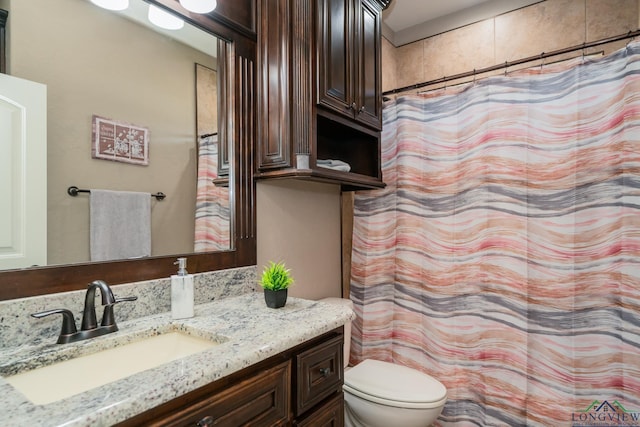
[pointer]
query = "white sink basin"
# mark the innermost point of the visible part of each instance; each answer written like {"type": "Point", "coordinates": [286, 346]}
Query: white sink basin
{"type": "Point", "coordinates": [70, 377]}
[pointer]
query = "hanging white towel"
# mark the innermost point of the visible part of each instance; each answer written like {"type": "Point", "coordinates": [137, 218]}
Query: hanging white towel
{"type": "Point", "coordinates": [120, 223]}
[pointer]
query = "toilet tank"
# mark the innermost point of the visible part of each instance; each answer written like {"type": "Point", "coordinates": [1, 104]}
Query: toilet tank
{"type": "Point", "coordinates": [347, 326]}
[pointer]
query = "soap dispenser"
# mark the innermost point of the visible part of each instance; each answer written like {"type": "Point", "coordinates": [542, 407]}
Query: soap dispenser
{"type": "Point", "coordinates": [182, 291]}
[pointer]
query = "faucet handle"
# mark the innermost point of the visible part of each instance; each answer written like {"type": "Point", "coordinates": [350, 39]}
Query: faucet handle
{"type": "Point", "coordinates": [68, 322]}
{"type": "Point", "coordinates": [108, 318]}
{"type": "Point", "coordinates": [124, 299]}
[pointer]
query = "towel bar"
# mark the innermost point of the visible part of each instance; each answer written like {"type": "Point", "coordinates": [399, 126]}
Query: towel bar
{"type": "Point", "coordinates": [73, 191]}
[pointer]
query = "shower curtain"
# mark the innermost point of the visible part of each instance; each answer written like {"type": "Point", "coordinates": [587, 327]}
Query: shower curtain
{"type": "Point", "coordinates": [503, 257]}
{"type": "Point", "coordinates": [212, 222]}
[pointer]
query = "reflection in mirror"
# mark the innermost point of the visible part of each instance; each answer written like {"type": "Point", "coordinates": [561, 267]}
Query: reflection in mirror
{"type": "Point", "coordinates": [103, 63]}
{"type": "Point", "coordinates": [212, 208]}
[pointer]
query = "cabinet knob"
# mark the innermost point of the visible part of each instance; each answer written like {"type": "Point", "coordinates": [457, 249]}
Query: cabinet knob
{"type": "Point", "coordinates": [362, 109]}
{"type": "Point", "coordinates": [353, 106]}
{"type": "Point", "coordinates": [206, 421]}
{"type": "Point", "coordinates": [325, 371]}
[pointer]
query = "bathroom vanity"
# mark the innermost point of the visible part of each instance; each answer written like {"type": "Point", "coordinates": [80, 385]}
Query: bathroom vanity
{"type": "Point", "coordinates": [300, 386]}
{"type": "Point", "coordinates": [267, 367]}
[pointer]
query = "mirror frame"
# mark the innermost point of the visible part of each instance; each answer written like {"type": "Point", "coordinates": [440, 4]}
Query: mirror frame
{"type": "Point", "coordinates": [3, 56]}
{"type": "Point", "coordinates": [234, 23]}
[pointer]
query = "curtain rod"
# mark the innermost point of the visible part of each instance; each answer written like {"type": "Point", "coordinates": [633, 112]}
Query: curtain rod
{"type": "Point", "coordinates": [507, 64]}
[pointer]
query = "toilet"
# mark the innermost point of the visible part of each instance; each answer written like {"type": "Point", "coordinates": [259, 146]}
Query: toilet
{"type": "Point", "coordinates": [382, 394]}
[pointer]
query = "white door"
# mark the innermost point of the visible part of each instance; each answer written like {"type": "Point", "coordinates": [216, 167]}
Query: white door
{"type": "Point", "coordinates": [23, 173]}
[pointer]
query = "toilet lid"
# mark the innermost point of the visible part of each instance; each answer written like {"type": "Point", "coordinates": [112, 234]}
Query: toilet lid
{"type": "Point", "coordinates": [396, 383]}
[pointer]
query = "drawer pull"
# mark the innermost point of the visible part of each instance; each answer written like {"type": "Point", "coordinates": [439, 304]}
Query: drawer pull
{"type": "Point", "coordinates": [206, 421]}
{"type": "Point", "coordinates": [325, 372]}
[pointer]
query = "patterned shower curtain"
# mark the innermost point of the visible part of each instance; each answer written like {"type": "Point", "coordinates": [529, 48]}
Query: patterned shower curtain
{"type": "Point", "coordinates": [503, 257]}
{"type": "Point", "coordinates": [213, 220]}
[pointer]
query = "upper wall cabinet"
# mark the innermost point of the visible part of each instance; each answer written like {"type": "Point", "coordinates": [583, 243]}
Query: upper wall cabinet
{"type": "Point", "coordinates": [349, 72]}
{"type": "Point", "coordinates": [319, 100]}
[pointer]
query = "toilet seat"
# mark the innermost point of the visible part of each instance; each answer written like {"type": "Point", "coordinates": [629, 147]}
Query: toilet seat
{"type": "Point", "coordinates": [394, 385]}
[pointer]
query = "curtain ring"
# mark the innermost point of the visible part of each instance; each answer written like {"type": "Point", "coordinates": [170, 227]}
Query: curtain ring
{"type": "Point", "coordinates": [474, 76]}
{"type": "Point", "coordinates": [506, 67]}
{"type": "Point", "coordinates": [631, 39]}
{"type": "Point", "coordinates": [541, 60]}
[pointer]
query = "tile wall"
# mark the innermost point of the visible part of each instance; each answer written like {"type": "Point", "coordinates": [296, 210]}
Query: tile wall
{"type": "Point", "coordinates": [542, 27]}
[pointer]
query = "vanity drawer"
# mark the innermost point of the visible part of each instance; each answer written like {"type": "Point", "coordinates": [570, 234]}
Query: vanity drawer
{"type": "Point", "coordinates": [330, 414]}
{"type": "Point", "coordinates": [262, 400]}
{"type": "Point", "coordinates": [319, 373]}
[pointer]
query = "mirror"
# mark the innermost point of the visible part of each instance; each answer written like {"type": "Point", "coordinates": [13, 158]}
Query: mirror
{"type": "Point", "coordinates": [119, 66]}
{"type": "Point", "coordinates": [233, 21]}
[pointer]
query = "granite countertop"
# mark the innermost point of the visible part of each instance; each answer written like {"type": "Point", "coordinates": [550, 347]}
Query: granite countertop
{"type": "Point", "coordinates": [251, 332]}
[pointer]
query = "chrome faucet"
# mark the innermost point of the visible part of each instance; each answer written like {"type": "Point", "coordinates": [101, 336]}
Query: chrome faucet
{"type": "Point", "coordinates": [89, 328]}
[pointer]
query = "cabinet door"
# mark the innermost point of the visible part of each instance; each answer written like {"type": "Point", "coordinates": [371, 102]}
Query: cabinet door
{"type": "Point", "coordinates": [367, 83]}
{"type": "Point", "coordinates": [335, 56]}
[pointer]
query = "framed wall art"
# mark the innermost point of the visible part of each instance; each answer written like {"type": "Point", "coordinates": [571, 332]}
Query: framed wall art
{"type": "Point", "coordinates": [119, 141]}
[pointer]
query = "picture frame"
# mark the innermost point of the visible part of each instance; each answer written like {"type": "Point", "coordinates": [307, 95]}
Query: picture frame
{"type": "Point", "coordinates": [119, 141]}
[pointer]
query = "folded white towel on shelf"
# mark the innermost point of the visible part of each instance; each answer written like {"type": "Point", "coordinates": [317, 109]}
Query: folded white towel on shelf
{"type": "Point", "coordinates": [338, 165]}
{"type": "Point", "coordinates": [120, 225]}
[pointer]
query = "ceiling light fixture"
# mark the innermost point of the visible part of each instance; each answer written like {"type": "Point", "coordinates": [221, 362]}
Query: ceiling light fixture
{"type": "Point", "coordinates": [199, 6]}
{"type": "Point", "coordinates": [112, 4]}
{"type": "Point", "coordinates": [164, 19]}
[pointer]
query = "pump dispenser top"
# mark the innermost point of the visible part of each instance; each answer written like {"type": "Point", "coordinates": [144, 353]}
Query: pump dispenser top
{"type": "Point", "coordinates": [182, 266]}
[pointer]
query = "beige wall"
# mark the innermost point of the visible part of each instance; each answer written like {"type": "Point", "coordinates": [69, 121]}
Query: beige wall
{"type": "Point", "coordinates": [389, 66]}
{"type": "Point", "coordinates": [299, 223]}
{"type": "Point", "coordinates": [96, 62]}
{"type": "Point", "coordinates": [543, 27]}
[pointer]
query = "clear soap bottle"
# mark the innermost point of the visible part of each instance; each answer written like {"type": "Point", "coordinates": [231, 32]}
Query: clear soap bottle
{"type": "Point", "coordinates": [182, 291]}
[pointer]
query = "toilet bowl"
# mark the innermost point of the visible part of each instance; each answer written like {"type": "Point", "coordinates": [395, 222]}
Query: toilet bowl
{"type": "Point", "coordinates": [382, 394]}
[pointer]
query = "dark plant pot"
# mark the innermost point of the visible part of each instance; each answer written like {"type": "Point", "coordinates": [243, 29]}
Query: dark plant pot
{"type": "Point", "coordinates": [275, 299]}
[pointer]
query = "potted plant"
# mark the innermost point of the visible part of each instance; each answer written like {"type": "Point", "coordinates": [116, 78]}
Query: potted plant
{"type": "Point", "coordinates": [275, 281]}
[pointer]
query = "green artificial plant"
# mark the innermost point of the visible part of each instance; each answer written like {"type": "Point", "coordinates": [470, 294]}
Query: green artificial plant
{"type": "Point", "coordinates": [276, 277]}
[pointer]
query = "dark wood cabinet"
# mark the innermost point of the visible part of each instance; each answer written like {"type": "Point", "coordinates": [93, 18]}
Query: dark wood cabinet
{"type": "Point", "coordinates": [330, 414]}
{"type": "Point", "coordinates": [301, 386]}
{"type": "Point", "coordinates": [262, 399]}
{"type": "Point", "coordinates": [319, 372]}
{"type": "Point", "coordinates": [369, 90]}
{"type": "Point", "coordinates": [349, 37]}
{"type": "Point", "coordinates": [319, 99]}
{"type": "Point", "coordinates": [335, 47]}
